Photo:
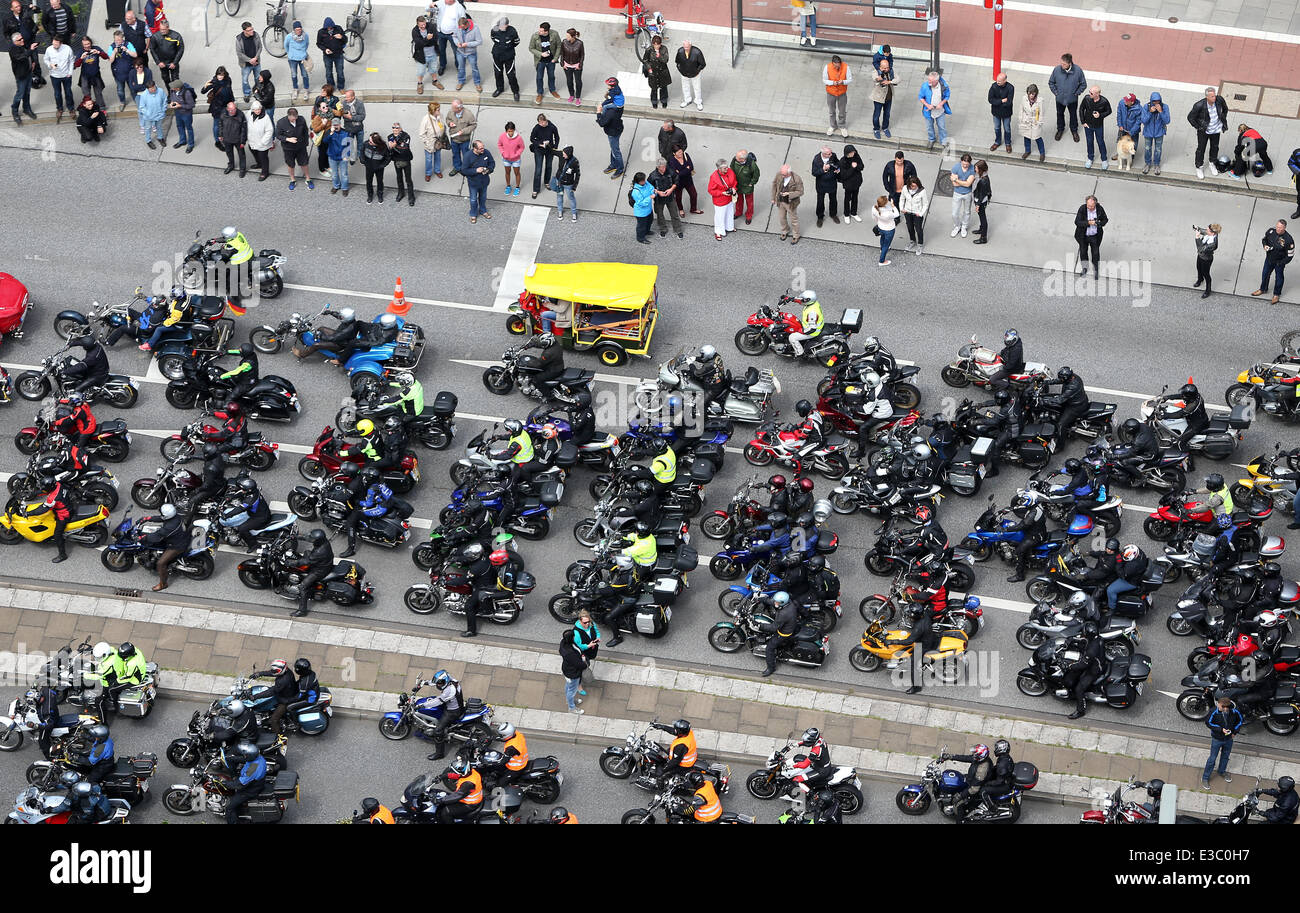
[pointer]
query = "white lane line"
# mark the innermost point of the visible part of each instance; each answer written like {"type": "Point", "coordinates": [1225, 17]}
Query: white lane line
{"type": "Point", "coordinates": [346, 293]}
{"type": "Point", "coordinates": [135, 377]}
{"type": "Point", "coordinates": [283, 507]}
{"type": "Point", "coordinates": [523, 251]}
{"type": "Point", "coordinates": [163, 434]}
{"type": "Point", "coordinates": [1146, 396]}
{"type": "Point", "coordinates": [155, 375]}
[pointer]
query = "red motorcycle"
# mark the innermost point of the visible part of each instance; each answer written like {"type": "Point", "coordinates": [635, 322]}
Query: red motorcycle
{"type": "Point", "coordinates": [844, 419]}
{"type": "Point", "coordinates": [770, 327]}
{"type": "Point", "coordinates": [742, 513]}
{"type": "Point", "coordinates": [324, 460]}
{"type": "Point", "coordinates": [1181, 515]}
{"type": "Point", "coordinates": [771, 443]}
{"type": "Point", "coordinates": [253, 450]}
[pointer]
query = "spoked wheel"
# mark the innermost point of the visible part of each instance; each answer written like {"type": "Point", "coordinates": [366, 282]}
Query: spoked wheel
{"type": "Point", "coordinates": [116, 561]}
{"type": "Point", "coordinates": [716, 526]}
{"type": "Point", "coordinates": [1291, 342]}
{"type": "Point", "coordinates": [67, 328]}
{"type": "Point", "coordinates": [273, 40]}
{"type": "Point", "coordinates": [1031, 686]}
{"type": "Point", "coordinates": [498, 380]}
{"type": "Point", "coordinates": [953, 377]}
{"type": "Point", "coordinates": [563, 608]}
{"type": "Point", "coordinates": [863, 661]}
{"type": "Point", "coordinates": [726, 639]}
{"type": "Point", "coordinates": [174, 449]}
{"type": "Point", "coordinates": [587, 532]}
{"type": "Point", "coordinates": [1040, 590]}
{"type": "Point", "coordinates": [355, 47]}
{"type": "Point", "coordinates": [875, 608]}
{"type": "Point", "coordinates": [396, 730]}
{"type": "Point", "coordinates": [265, 340]}
{"type": "Point", "coordinates": [729, 601]}
{"type": "Point", "coordinates": [1193, 705]}
{"type": "Point", "coordinates": [422, 599]}
{"type": "Point", "coordinates": [906, 396]}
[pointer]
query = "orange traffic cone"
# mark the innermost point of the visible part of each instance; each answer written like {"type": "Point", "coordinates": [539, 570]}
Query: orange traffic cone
{"type": "Point", "coordinates": [399, 305]}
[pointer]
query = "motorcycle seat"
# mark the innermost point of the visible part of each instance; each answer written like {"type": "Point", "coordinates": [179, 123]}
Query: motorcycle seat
{"type": "Point", "coordinates": [86, 510]}
{"type": "Point", "coordinates": [340, 571]}
{"type": "Point", "coordinates": [1039, 429]}
{"type": "Point", "coordinates": [265, 740]}
{"type": "Point", "coordinates": [209, 307]}
{"type": "Point", "coordinates": [278, 522]}
{"type": "Point", "coordinates": [112, 426]}
{"type": "Point", "coordinates": [575, 377]}
{"type": "Point", "coordinates": [262, 386]}
{"type": "Point", "coordinates": [742, 384]}
{"type": "Point", "coordinates": [1216, 426]}
{"type": "Point", "coordinates": [538, 765]}
{"type": "Point", "coordinates": [1058, 535]}
{"type": "Point", "coordinates": [123, 768]}
{"type": "Point", "coordinates": [1096, 410]}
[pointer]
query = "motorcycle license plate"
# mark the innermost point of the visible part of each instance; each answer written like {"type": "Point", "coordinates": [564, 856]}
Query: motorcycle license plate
{"type": "Point", "coordinates": [127, 437]}
{"type": "Point", "coordinates": [559, 779]}
{"type": "Point", "coordinates": [1139, 686]}
{"type": "Point", "coordinates": [329, 710]}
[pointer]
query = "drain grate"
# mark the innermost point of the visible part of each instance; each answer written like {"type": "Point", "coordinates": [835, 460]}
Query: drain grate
{"type": "Point", "coordinates": [126, 593]}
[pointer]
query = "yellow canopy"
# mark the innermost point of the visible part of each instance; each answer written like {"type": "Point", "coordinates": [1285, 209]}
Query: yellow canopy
{"type": "Point", "coordinates": [622, 286]}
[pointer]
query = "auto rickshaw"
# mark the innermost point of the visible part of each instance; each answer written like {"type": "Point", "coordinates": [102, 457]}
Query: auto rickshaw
{"type": "Point", "coordinates": [614, 307]}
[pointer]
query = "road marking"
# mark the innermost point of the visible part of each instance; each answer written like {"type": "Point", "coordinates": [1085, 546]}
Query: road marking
{"type": "Point", "coordinates": [164, 434]}
{"type": "Point", "coordinates": [155, 375]}
{"type": "Point", "coordinates": [523, 253]}
{"type": "Point", "coordinates": [605, 378]}
{"type": "Point", "coordinates": [135, 377]}
{"type": "Point", "coordinates": [347, 293]}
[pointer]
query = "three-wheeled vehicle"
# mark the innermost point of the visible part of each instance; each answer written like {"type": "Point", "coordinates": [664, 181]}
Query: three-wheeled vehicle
{"type": "Point", "coordinates": [615, 307]}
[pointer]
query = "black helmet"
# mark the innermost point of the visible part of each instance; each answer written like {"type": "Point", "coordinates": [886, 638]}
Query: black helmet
{"type": "Point", "coordinates": [803, 407]}
{"type": "Point", "coordinates": [369, 474]}
{"type": "Point", "coordinates": [810, 736]}
{"type": "Point", "coordinates": [473, 505]}
{"type": "Point", "coordinates": [915, 612]}
{"type": "Point", "coordinates": [824, 798]}
{"type": "Point", "coordinates": [1188, 390]}
{"type": "Point", "coordinates": [1001, 397]}
{"type": "Point", "coordinates": [247, 484]}
{"type": "Point", "coordinates": [644, 487]}
{"type": "Point", "coordinates": [393, 423]}
{"type": "Point", "coordinates": [1272, 570]}
{"type": "Point", "coordinates": [302, 665]}
{"type": "Point", "coordinates": [680, 727]}
{"type": "Point", "coordinates": [1073, 465]}
{"type": "Point", "coordinates": [1130, 426]}
{"type": "Point", "coordinates": [805, 519]}
{"type": "Point", "coordinates": [777, 482]}
{"type": "Point", "coordinates": [246, 350]}
{"type": "Point", "coordinates": [695, 778]}
{"type": "Point", "coordinates": [369, 805]}
{"type": "Point", "coordinates": [127, 650]}
{"type": "Point", "coordinates": [792, 560]}
{"type": "Point", "coordinates": [559, 814]}
{"type": "Point", "coordinates": [1064, 373]}
{"type": "Point", "coordinates": [1285, 783]}
{"type": "Point", "coordinates": [98, 732]}
{"type": "Point", "coordinates": [1112, 544]}
{"type": "Point", "coordinates": [1214, 482]}
{"type": "Point", "coordinates": [1089, 630]}
{"type": "Point", "coordinates": [210, 450]}
{"type": "Point", "coordinates": [643, 528]}
{"type": "Point", "coordinates": [317, 536]}
{"type": "Point", "coordinates": [1001, 747]}
{"type": "Point", "coordinates": [582, 398]}
{"type": "Point", "coordinates": [349, 469]}
{"type": "Point", "coordinates": [1155, 787]}
{"type": "Point", "coordinates": [778, 519]}
{"type": "Point", "coordinates": [816, 563]}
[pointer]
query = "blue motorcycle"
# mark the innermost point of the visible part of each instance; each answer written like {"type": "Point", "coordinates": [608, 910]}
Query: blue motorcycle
{"type": "Point", "coordinates": [533, 513]}
{"type": "Point", "coordinates": [642, 437]}
{"type": "Point", "coordinates": [759, 583]}
{"type": "Point", "coordinates": [991, 537]}
{"type": "Point", "coordinates": [128, 548]}
{"type": "Point", "coordinates": [730, 563]}
{"type": "Point", "coordinates": [421, 715]}
{"type": "Point", "coordinates": [366, 365]}
{"type": "Point", "coordinates": [947, 786]}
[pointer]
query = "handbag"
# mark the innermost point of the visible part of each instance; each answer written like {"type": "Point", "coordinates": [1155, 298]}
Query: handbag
{"type": "Point", "coordinates": [307, 64]}
{"type": "Point", "coordinates": [875, 230]}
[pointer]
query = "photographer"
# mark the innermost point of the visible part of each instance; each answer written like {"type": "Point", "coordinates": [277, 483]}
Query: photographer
{"type": "Point", "coordinates": [722, 188]}
{"type": "Point", "coordinates": [1207, 242]}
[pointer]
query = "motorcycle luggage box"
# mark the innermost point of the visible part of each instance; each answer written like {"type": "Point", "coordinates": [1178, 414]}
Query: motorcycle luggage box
{"type": "Point", "coordinates": [666, 590]}
{"type": "Point", "coordinates": [686, 559]}
{"type": "Point", "coordinates": [144, 764]}
{"type": "Point", "coordinates": [703, 471]}
{"type": "Point", "coordinates": [473, 705]}
{"type": "Point", "coordinates": [1130, 605]}
{"type": "Point", "coordinates": [1285, 691]}
{"type": "Point", "coordinates": [286, 784]}
{"type": "Point", "coordinates": [1240, 415]}
{"type": "Point", "coordinates": [1030, 449]}
{"type": "Point", "coordinates": [980, 450]}
{"type": "Point", "coordinates": [550, 493]}
{"type": "Point", "coordinates": [444, 404]}
{"type": "Point", "coordinates": [567, 455]}
{"type": "Point", "coordinates": [1119, 694]}
{"type": "Point", "coordinates": [1139, 667]}
{"type": "Point", "coordinates": [1282, 711]}
{"type": "Point", "coordinates": [827, 542]}
{"type": "Point", "coordinates": [131, 702]}
{"type": "Point", "coordinates": [1025, 775]}
{"type": "Point", "coordinates": [716, 424]}
{"type": "Point", "coordinates": [1272, 548]}
{"type": "Point", "coordinates": [650, 619]}
{"type": "Point", "coordinates": [1290, 593]}
{"type": "Point", "coordinates": [851, 321]}
{"type": "Point", "coordinates": [714, 453]}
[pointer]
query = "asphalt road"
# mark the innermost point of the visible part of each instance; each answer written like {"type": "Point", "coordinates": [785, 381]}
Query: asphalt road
{"type": "Point", "coordinates": [352, 760]}
{"type": "Point", "coordinates": [922, 308]}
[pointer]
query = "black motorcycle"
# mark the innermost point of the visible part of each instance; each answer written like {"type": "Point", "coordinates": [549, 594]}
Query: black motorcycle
{"type": "Point", "coordinates": [272, 399]}
{"type": "Point", "coordinates": [540, 780]}
{"type": "Point", "coordinates": [198, 746]}
{"type": "Point", "coordinates": [278, 567]}
{"type": "Point", "coordinates": [522, 366]}
{"type": "Point", "coordinates": [204, 260]}
{"type": "Point", "coordinates": [129, 779]}
{"type": "Point", "coordinates": [118, 390]}
{"type": "Point", "coordinates": [435, 427]}
{"type": "Point", "coordinates": [327, 500]}
{"type": "Point", "coordinates": [1119, 686]}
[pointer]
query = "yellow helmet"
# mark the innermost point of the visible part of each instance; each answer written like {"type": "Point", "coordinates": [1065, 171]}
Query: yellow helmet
{"type": "Point", "coordinates": [365, 427]}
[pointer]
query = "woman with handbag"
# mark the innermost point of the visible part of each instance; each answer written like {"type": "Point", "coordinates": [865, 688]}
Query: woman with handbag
{"type": "Point", "coordinates": [654, 67]}
{"type": "Point", "coordinates": [220, 92]}
{"type": "Point", "coordinates": [433, 133]}
{"type": "Point", "coordinates": [683, 170]}
{"type": "Point", "coordinates": [886, 216]}
{"type": "Point", "coordinates": [542, 143]}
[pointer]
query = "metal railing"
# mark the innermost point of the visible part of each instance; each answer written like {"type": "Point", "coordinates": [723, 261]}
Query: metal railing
{"type": "Point", "coordinates": [842, 26]}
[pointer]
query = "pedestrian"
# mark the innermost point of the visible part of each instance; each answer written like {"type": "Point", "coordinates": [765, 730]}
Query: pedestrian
{"type": "Point", "coordinates": [399, 153]}
{"type": "Point", "coordinates": [91, 120]}
{"type": "Point", "coordinates": [447, 16]}
{"type": "Point", "coordinates": [1031, 122]}
{"type": "Point", "coordinates": [511, 146]}
{"type": "Point", "coordinates": [1066, 84]}
{"type": "Point", "coordinates": [787, 189]}
{"type": "Point", "coordinates": [826, 176]}
{"type": "Point", "coordinates": [544, 51]}
{"type": "Point", "coordinates": [722, 190]}
{"type": "Point", "coordinates": [895, 175]}
{"type": "Point", "coordinates": [354, 120]}
{"type": "Point", "coordinates": [295, 141]}
{"type": "Point", "coordinates": [565, 183]}
{"type": "Point", "coordinates": [467, 38]}
{"type": "Point", "coordinates": [137, 34]}
{"type": "Point", "coordinates": [609, 117]}
{"type": "Point", "coordinates": [1209, 118]}
{"type": "Point", "coordinates": [1223, 722]}
{"type": "Point", "coordinates": [504, 41]}
{"type": "Point", "coordinates": [886, 216]}
{"type": "Point", "coordinates": [963, 193]}
{"type": "Point", "coordinates": [578, 648]}
{"type": "Point", "coordinates": [91, 81]}
{"type": "Point", "coordinates": [248, 50]}
{"type": "Point", "coordinates": [331, 41]}
{"type": "Point", "coordinates": [690, 64]}
{"type": "Point", "coordinates": [744, 165]}
{"type": "Point", "coordinates": [140, 78]}
{"type": "Point", "coordinates": [19, 19]}
{"type": "Point", "coordinates": [1155, 123]}
{"type": "Point", "coordinates": [851, 165]}
{"type": "Point", "coordinates": [983, 193]}
{"type": "Point", "coordinates": [22, 61]}
{"type": "Point", "coordinates": [806, 10]}
{"type": "Point", "coordinates": [338, 146]}
{"type": "Point", "coordinates": [1089, 226]}
{"type": "Point", "coordinates": [914, 206]}
{"type": "Point", "coordinates": [836, 76]}
{"type": "Point", "coordinates": [1251, 147]}
{"type": "Point", "coordinates": [218, 91]}
{"type": "Point", "coordinates": [433, 134]}
{"type": "Point", "coordinates": [654, 67]}
{"type": "Point", "coordinates": [374, 157]}
{"type": "Point", "coordinates": [151, 107]}
{"type": "Point", "coordinates": [1001, 98]}
{"type": "Point", "coordinates": [542, 143]}
{"type": "Point", "coordinates": [59, 22]}
{"type": "Point", "coordinates": [154, 16]}
{"type": "Point", "coordinates": [671, 136]}
{"type": "Point", "coordinates": [1207, 242]}
{"type": "Point", "coordinates": [479, 165]}
{"type": "Point", "coordinates": [424, 51]}
{"type": "Point", "coordinates": [234, 138]}
{"type": "Point", "coordinates": [121, 61]}
{"type": "Point", "coordinates": [882, 97]}
{"type": "Point", "coordinates": [261, 137]}
{"type": "Point", "coordinates": [461, 123]}
{"type": "Point", "coordinates": [1093, 111]}
{"type": "Point", "coordinates": [296, 45]}
{"type": "Point", "coordinates": [664, 181]}
{"type": "Point", "coordinates": [933, 96]}
{"type": "Point", "coordinates": [59, 61]}
{"type": "Point", "coordinates": [322, 121]}
{"type": "Point", "coordinates": [264, 91]}
{"type": "Point", "coordinates": [1279, 249]}
{"type": "Point", "coordinates": [641, 197]}
{"type": "Point", "coordinates": [684, 175]}
{"type": "Point", "coordinates": [168, 48]}
{"type": "Point", "coordinates": [1128, 118]}
{"type": "Point", "coordinates": [572, 55]}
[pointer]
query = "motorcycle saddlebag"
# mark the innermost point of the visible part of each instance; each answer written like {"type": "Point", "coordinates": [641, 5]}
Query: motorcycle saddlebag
{"type": "Point", "coordinates": [1139, 667]}
{"type": "Point", "coordinates": [473, 705]}
{"type": "Point", "coordinates": [1282, 711]}
{"type": "Point", "coordinates": [651, 618]}
{"type": "Point", "coordinates": [131, 702]}
{"type": "Point", "coordinates": [718, 424]}
{"type": "Point", "coordinates": [286, 784]}
{"type": "Point", "coordinates": [666, 590]}
{"type": "Point", "coordinates": [1031, 449]}
{"type": "Point", "coordinates": [1025, 775]}
{"type": "Point", "coordinates": [1130, 605]}
{"type": "Point", "coordinates": [1120, 694]}
{"type": "Point", "coordinates": [444, 404]}
{"type": "Point", "coordinates": [550, 493]}
{"type": "Point", "coordinates": [687, 559]}
{"type": "Point", "coordinates": [144, 764]}
{"type": "Point", "coordinates": [711, 452]}
{"type": "Point", "coordinates": [566, 456]}
{"type": "Point", "coordinates": [1240, 415]}
{"type": "Point", "coordinates": [1039, 429]}
{"type": "Point", "coordinates": [703, 471]}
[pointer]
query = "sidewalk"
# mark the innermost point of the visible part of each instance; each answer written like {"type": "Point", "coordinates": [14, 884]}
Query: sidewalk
{"type": "Point", "coordinates": [735, 717]}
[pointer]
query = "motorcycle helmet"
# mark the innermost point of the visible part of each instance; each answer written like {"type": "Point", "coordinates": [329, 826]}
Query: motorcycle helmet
{"type": "Point", "coordinates": [776, 483]}
{"type": "Point", "coordinates": [1130, 427]}
{"type": "Point", "coordinates": [980, 752]}
{"type": "Point", "coordinates": [369, 806]}
{"type": "Point", "coordinates": [1072, 465]}
{"type": "Point", "coordinates": [210, 450]}
{"type": "Point", "coordinates": [780, 598]}
{"type": "Point", "coordinates": [681, 727]}
{"type": "Point", "coordinates": [1112, 545]}
{"type": "Point", "coordinates": [802, 408]}
{"type": "Point", "coordinates": [643, 528]}
{"type": "Point", "coordinates": [441, 679]}
{"type": "Point", "coordinates": [346, 314]}
{"type": "Point", "coordinates": [388, 321]}
{"type": "Point", "coordinates": [246, 751]}
{"type": "Point", "coordinates": [871, 380]}
{"type": "Point", "coordinates": [1130, 553]}
{"type": "Point", "coordinates": [74, 399]}
{"type": "Point", "coordinates": [47, 482]}
{"type": "Point", "coordinates": [127, 650]}
{"type": "Point", "coordinates": [302, 665]}
{"type": "Point", "coordinates": [694, 778]}
{"type": "Point", "coordinates": [279, 666]}
{"type": "Point", "coordinates": [822, 510]}
{"type": "Point", "coordinates": [168, 511]}
{"type": "Point", "coordinates": [1001, 747]}
{"type": "Point", "coordinates": [1270, 619]}
{"type": "Point", "coordinates": [1010, 336]}
{"type": "Point", "coordinates": [706, 353]}
{"type": "Point", "coordinates": [229, 232]}
{"type": "Point", "coordinates": [69, 779]}
{"type": "Point", "coordinates": [393, 424]}
{"type": "Point", "coordinates": [1155, 787]}
{"type": "Point", "coordinates": [1064, 373]}
{"type": "Point", "coordinates": [236, 707]}
{"type": "Point", "coordinates": [870, 345]}
{"type": "Point", "coordinates": [232, 409]}
{"type": "Point", "coordinates": [559, 814]}
{"type": "Point", "coordinates": [472, 506]}
{"type": "Point", "coordinates": [513, 425]}
{"type": "Point", "coordinates": [915, 612]}
{"type": "Point", "coordinates": [922, 514]}
{"type": "Point", "coordinates": [369, 474]}
{"type": "Point", "coordinates": [498, 557]}
{"type": "Point", "coordinates": [82, 790]}
{"type": "Point", "coordinates": [349, 469]}
{"type": "Point", "coordinates": [1272, 570]}
{"type": "Point", "coordinates": [1090, 630]}
{"type": "Point", "coordinates": [1188, 391]}
{"type": "Point", "coordinates": [493, 758]}
{"type": "Point", "coordinates": [1285, 783]}
{"type": "Point", "coordinates": [808, 295]}
{"type": "Point", "coordinates": [1214, 482]}
{"type": "Point", "coordinates": [623, 563]}
{"type": "Point", "coordinates": [1078, 600]}
{"type": "Point", "coordinates": [247, 485]}
{"type": "Point", "coordinates": [505, 731]}
{"type": "Point", "coordinates": [1223, 521]}
{"type": "Point", "coordinates": [816, 564]}
{"type": "Point", "coordinates": [582, 398]}
{"type": "Point", "coordinates": [810, 736]}
{"type": "Point", "coordinates": [545, 340]}
{"type": "Point", "coordinates": [472, 552]}
{"type": "Point", "coordinates": [98, 732]}
{"type": "Point", "coordinates": [778, 520]}
{"type": "Point", "coordinates": [549, 431]}
{"type": "Point", "coordinates": [804, 519]}
{"type": "Point", "coordinates": [102, 649]}
{"type": "Point", "coordinates": [806, 485]}
{"type": "Point", "coordinates": [644, 488]}
{"type": "Point", "coordinates": [919, 453]}
{"type": "Point", "coordinates": [1002, 397]}
{"type": "Point", "coordinates": [365, 427]}
{"type": "Point", "coordinates": [317, 536]}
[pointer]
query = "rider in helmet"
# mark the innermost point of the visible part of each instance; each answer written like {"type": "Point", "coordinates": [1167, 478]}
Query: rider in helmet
{"type": "Point", "coordinates": [704, 798]}
{"type": "Point", "coordinates": [979, 773]}
{"type": "Point", "coordinates": [1005, 423]}
{"type": "Point", "coordinates": [1226, 550]}
{"type": "Point", "coordinates": [234, 426]}
{"type": "Point", "coordinates": [373, 813]}
{"type": "Point", "coordinates": [1080, 676]}
{"type": "Point", "coordinates": [929, 539]}
{"type": "Point", "coordinates": [1131, 567]}
{"type": "Point", "coordinates": [809, 428]}
{"type": "Point", "coordinates": [1216, 496]}
{"type": "Point", "coordinates": [644, 504]}
{"type": "Point", "coordinates": [785, 625]}
{"type": "Point", "coordinates": [247, 768]}
{"type": "Point", "coordinates": [1287, 802]}
{"type": "Point", "coordinates": [173, 537]}
{"type": "Point", "coordinates": [257, 507]}
{"type": "Point", "coordinates": [284, 690]}
{"type": "Point", "coordinates": [1031, 519]}
{"type": "Point", "coordinates": [341, 341]}
{"type": "Point", "coordinates": [811, 322]}
{"type": "Point", "coordinates": [245, 374]}
{"type": "Point", "coordinates": [814, 761]}
{"type": "Point", "coordinates": [620, 580]}
{"type": "Point", "coordinates": [1072, 400]}
{"type": "Point", "coordinates": [1004, 774]}
{"type": "Point", "coordinates": [233, 722]}
{"type": "Point", "coordinates": [877, 358]}
{"type": "Point", "coordinates": [465, 797]}
{"type": "Point", "coordinates": [97, 760]}
{"type": "Point", "coordinates": [561, 815]}
{"type": "Point", "coordinates": [86, 804]}
{"type": "Point", "coordinates": [214, 475]}
{"type": "Point", "coordinates": [1012, 359]}
{"type": "Point", "coordinates": [91, 369]}
{"type": "Point", "coordinates": [392, 443]}
{"type": "Point", "coordinates": [514, 749]}
{"type": "Point", "coordinates": [778, 494]}
{"type": "Point", "coordinates": [135, 668]}
{"type": "Point", "coordinates": [1107, 567]}
{"type": "Point", "coordinates": [1141, 449]}
{"type": "Point", "coordinates": [78, 425]}
{"type": "Point", "coordinates": [236, 249]}
{"type": "Point", "coordinates": [163, 313]}
{"type": "Point", "coordinates": [1192, 409]}
{"type": "Point", "coordinates": [451, 699]}
{"type": "Point", "coordinates": [683, 751]}
{"type": "Point", "coordinates": [706, 370]}
{"type": "Point", "coordinates": [642, 548]}
{"type": "Point", "coordinates": [62, 503]}
{"type": "Point", "coordinates": [320, 561]}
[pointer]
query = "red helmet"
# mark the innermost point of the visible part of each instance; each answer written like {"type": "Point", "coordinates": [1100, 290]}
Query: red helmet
{"type": "Point", "coordinates": [980, 752]}
{"type": "Point", "coordinates": [921, 514]}
{"type": "Point", "coordinates": [498, 557]}
{"type": "Point", "coordinates": [232, 408]}
{"type": "Point", "coordinates": [279, 666]}
{"type": "Point", "coordinates": [549, 431]}
{"type": "Point", "coordinates": [806, 485]}
{"type": "Point", "coordinates": [776, 483]}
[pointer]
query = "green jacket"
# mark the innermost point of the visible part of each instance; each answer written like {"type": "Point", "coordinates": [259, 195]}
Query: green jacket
{"type": "Point", "coordinates": [535, 46]}
{"type": "Point", "coordinates": [746, 173]}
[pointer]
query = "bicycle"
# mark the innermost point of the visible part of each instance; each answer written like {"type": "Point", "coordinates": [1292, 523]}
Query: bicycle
{"type": "Point", "coordinates": [647, 26]}
{"type": "Point", "coordinates": [358, 19]}
{"type": "Point", "coordinates": [277, 14]}
{"type": "Point", "coordinates": [231, 7]}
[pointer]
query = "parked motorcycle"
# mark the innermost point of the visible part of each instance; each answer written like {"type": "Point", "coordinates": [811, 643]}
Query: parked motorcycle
{"type": "Point", "coordinates": [450, 588]}
{"type": "Point", "coordinates": [808, 649]}
{"type": "Point", "coordinates": [1119, 686]}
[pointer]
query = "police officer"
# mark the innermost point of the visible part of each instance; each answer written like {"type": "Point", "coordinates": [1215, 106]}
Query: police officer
{"type": "Point", "coordinates": [247, 767]}
{"type": "Point", "coordinates": [173, 537]}
{"type": "Point", "coordinates": [1031, 519]}
{"type": "Point", "coordinates": [1072, 399]}
{"type": "Point", "coordinates": [320, 561]}
{"type": "Point", "coordinates": [785, 625]}
{"type": "Point", "coordinates": [284, 689]}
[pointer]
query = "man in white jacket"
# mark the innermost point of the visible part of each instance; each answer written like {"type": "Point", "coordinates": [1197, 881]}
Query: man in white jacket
{"type": "Point", "coordinates": [261, 137]}
{"type": "Point", "coordinates": [58, 60]}
{"type": "Point", "coordinates": [448, 13]}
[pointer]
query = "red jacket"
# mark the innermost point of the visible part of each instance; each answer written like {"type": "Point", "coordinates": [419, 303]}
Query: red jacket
{"type": "Point", "coordinates": [719, 183]}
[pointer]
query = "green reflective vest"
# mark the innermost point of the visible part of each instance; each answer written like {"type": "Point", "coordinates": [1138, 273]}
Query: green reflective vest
{"type": "Point", "coordinates": [242, 251]}
{"type": "Point", "coordinates": [134, 670]}
{"type": "Point", "coordinates": [644, 550]}
{"type": "Point", "coordinates": [664, 467]}
{"type": "Point", "coordinates": [525, 442]}
{"type": "Point", "coordinates": [812, 319]}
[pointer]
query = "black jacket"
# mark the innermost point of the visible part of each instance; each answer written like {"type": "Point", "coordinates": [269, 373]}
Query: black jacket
{"type": "Point", "coordinates": [1094, 113]}
{"type": "Point", "coordinates": [284, 130]}
{"type": "Point", "coordinates": [923, 635]}
{"type": "Point", "coordinates": [21, 61]}
{"type": "Point", "coordinates": [1285, 808]}
{"type": "Point", "coordinates": [826, 173]}
{"type": "Point", "coordinates": [504, 43]}
{"type": "Point", "coordinates": [219, 93]}
{"type": "Point", "coordinates": [1132, 571]}
{"type": "Point", "coordinates": [1013, 356]}
{"type": "Point", "coordinates": [321, 557]}
{"type": "Point", "coordinates": [332, 40]}
{"type": "Point", "coordinates": [169, 48]}
{"type": "Point", "coordinates": [174, 533]}
{"type": "Point", "coordinates": [400, 151]}
{"type": "Point", "coordinates": [610, 119]}
{"type": "Point", "coordinates": [1081, 222]}
{"type": "Point", "coordinates": [1199, 116]}
{"type": "Point", "coordinates": [662, 180]}
{"type": "Point", "coordinates": [1278, 248]}
{"type": "Point", "coordinates": [285, 687]}
{"type": "Point", "coordinates": [887, 176]}
{"type": "Point", "coordinates": [568, 172]}
{"type": "Point", "coordinates": [544, 134]}
{"type": "Point", "coordinates": [668, 139]}
{"type": "Point", "coordinates": [375, 158]}
{"type": "Point", "coordinates": [1000, 98]}
{"type": "Point", "coordinates": [689, 66]}
{"type": "Point", "coordinates": [1072, 392]}
{"type": "Point", "coordinates": [420, 44]}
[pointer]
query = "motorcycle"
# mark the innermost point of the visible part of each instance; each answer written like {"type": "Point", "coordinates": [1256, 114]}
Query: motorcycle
{"type": "Point", "coordinates": [1166, 414]}
{"type": "Point", "coordinates": [208, 791]}
{"type": "Point", "coordinates": [88, 525]}
{"type": "Point", "coordinates": [1281, 714]}
{"type": "Point", "coordinates": [769, 328]}
{"type": "Point", "coordinates": [808, 649]}
{"type": "Point", "coordinates": [118, 390]}
{"type": "Point", "coordinates": [278, 567]}
{"type": "Point", "coordinates": [324, 460]}
{"type": "Point", "coordinates": [776, 778]}
{"type": "Point", "coordinates": [450, 588]}
{"type": "Point", "coordinates": [771, 443]}
{"type": "Point", "coordinates": [435, 427]}
{"type": "Point", "coordinates": [742, 512]}
{"type": "Point", "coordinates": [202, 259]}
{"type": "Point", "coordinates": [378, 351]}
{"type": "Point", "coordinates": [644, 435]}
{"type": "Point", "coordinates": [22, 721]}
{"type": "Point", "coordinates": [521, 366]}
{"type": "Point", "coordinates": [421, 715]}
{"type": "Point", "coordinates": [821, 614]}
{"type": "Point", "coordinates": [990, 537]}
{"type": "Point", "coordinates": [1166, 472]}
{"type": "Point", "coordinates": [249, 449]}
{"type": "Point", "coordinates": [645, 756]}
{"type": "Point", "coordinates": [1271, 385]}
{"type": "Point", "coordinates": [226, 516]}
{"type": "Point", "coordinates": [1060, 503]}
{"type": "Point", "coordinates": [1115, 809]}
{"type": "Point", "coordinates": [198, 747]}
{"type": "Point", "coordinates": [1263, 485]}
{"type": "Point", "coordinates": [730, 563]}
{"type": "Point", "coordinates": [128, 781]}
{"type": "Point", "coordinates": [744, 399]}
{"type": "Point", "coordinates": [128, 548]}
{"type": "Point", "coordinates": [880, 646]}
{"type": "Point", "coordinates": [308, 718]}
{"type": "Point", "coordinates": [1181, 516]}
{"type": "Point", "coordinates": [947, 786]}
{"type": "Point", "coordinates": [540, 781]}
{"type": "Point", "coordinates": [1119, 686]}
{"type": "Point", "coordinates": [272, 399]}
{"type": "Point", "coordinates": [170, 485]}
{"type": "Point", "coordinates": [423, 796]}
{"type": "Point", "coordinates": [675, 800]}
{"type": "Point", "coordinates": [35, 806]}
{"type": "Point", "coordinates": [877, 492]}
{"type": "Point", "coordinates": [111, 442]}
{"type": "Point", "coordinates": [978, 365]}
{"type": "Point", "coordinates": [1049, 623]}
{"type": "Point", "coordinates": [654, 601]}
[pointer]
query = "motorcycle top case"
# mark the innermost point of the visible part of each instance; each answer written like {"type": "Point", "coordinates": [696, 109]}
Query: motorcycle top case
{"type": "Point", "coordinates": [851, 320]}
{"type": "Point", "coordinates": [286, 784]}
{"type": "Point", "coordinates": [1039, 429]}
{"type": "Point", "coordinates": [550, 493]}
{"type": "Point", "coordinates": [567, 455]}
{"type": "Point", "coordinates": [687, 559]}
{"type": "Point", "coordinates": [666, 590]}
{"type": "Point", "coordinates": [651, 618]}
{"type": "Point", "coordinates": [1025, 775]}
{"type": "Point", "coordinates": [703, 471]}
{"type": "Point", "coordinates": [719, 424]}
{"type": "Point", "coordinates": [131, 702]}
{"type": "Point", "coordinates": [714, 453]}
{"type": "Point", "coordinates": [982, 447]}
{"type": "Point", "coordinates": [1240, 415]}
{"type": "Point", "coordinates": [444, 404]}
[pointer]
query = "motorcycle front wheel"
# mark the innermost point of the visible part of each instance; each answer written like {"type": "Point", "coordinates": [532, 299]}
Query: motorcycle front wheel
{"type": "Point", "coordinates": [762, 786]}
{"type": "Point", "coordinates": [757, 456]}
{"type": "Point", "coordinates": [1031, 686]}
{"type": "Point", "coordinates": [953, 377]}
{"type": "Point", "coordinates": [1030, 637]}
{"type": "Point", "coordinates": [395, 730]}
{"type": "Point", "coordinates": [727, 639]}
{"type": "Point", "coordinates": [180, 397]}
{"type": "Point", "coordinates": [265, 340]}
{"type": "Point", "coordinates": [716, 526]}
{"type": "Point", "coordinates": [562, 608]}
{"type": "Point", "coordinates": [616, 766]}
{"type": "Point", "coordinates": [1193, 705]}
{"type": "Point", "coordinates": [873, 608]}
{"type": "Point", "coordinates": [116, 561]}
{"type": "Point", "coordinates": [910, 803]}
{"type": "Point", "coordinates": [33, 385]}
{"type": "Point", "coordinates": [863, 660]}
{"type": "Point", "coordinates": [637, 816]}
{"type": "Point", "coordinates": [253, 580]}
{"type": "Point", "coordinates": [586, 532]}
{"type": "Point", "coordinates": [422, 599]}
{"type": "Point", "coordinates": [302, 505]}
{"type": "Point", "coordinates": [751, 341]}
{"type": "Point", "coordinates": [498, 380]}
{"type": "Point", "coordinates": [177, 801]}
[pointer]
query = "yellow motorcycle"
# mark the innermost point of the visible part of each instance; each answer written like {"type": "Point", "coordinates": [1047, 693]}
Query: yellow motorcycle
{"type": "Point", "coordinates": [881, 646]}
{"type": "Point", "coordinates": [35, 522]}
{"type": "Point", "coordinates": [1262, 485]}
{"type": "Point", "coordinates": [1285, 368]}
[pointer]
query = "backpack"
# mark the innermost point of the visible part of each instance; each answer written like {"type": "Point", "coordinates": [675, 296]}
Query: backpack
{"type": "Point", "coordinates": [1294, 162]}
{"type": "Point", "coordinates": [630, 201]}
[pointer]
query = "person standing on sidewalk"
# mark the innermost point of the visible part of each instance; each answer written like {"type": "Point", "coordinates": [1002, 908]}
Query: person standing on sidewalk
{"type": "Point", "coordinates": [690, 64]}
{"type": "Point", "coordinates": [59, 60]}
{"type": "Point", "coordinates": [914, 205]}
{"type": "Point", "coordinates": [467, 39]}
{"type": "Point", "coordinates": [787, 189]}
{"type": "Point", "coordinates": [683, 169]}
{"type": "Point", "coordinates": [896, 174]}
{"type": "Point", "coordinates": [1066, 84]}
{"type": "Point", "coordinates": [1155, 123]}
{"type": "Point", "coordinates": [295, 143]}
{"type": "Point", "coordinates": [399, 152]}
{"type": "Point", "coordinates": [1031, 122]}
{"type": "Point", "coordinates": [338, 147]}
{"type": "Point", "coordinates": [261, 136]}
{"type": "Point", "coordinates": [331, 40]}
{"type": "Point", "coordinates": [886, 216]}
{"type": "Point", "coordinates": [248, 50]}
{"type": "Point", "coordinates": [22, 61]}
{"type": "Point", "coordinates": [1209, 118]}
{"type": "Point", "coordinates": [479, 166]}
{"type": "Point", "coordinates": [511, 146]}
{"type": "Point", "coordinates": [424, 51]}
{"type": "Point", "coordinates": [151, 105]}
{"type": "Point", "coordinates": [1001, 98]}
{"type": "Point", "coordinates": [654, 67]}
{"type": "Point", "coordinates": [836, 77]}
{"type": "Point", "coordinates": [826, 178]}
{"type": "Point", "coordinates": [573, 53]}
{"type": "Point", "coordinates": [1207, 242]}
{"type": "Point", "coordinates": [1089, 226]}
{"type": "Point", "coordinates": [983, 194]}
{"type": "Point", "coordinates": [168, 49]}
{"type": "Point", "coordinates": [121, 61]}
{"type": "Point", "coordinates": [218, 90]}
{"type": "Point", "coordinates": [963, 192]}
{"type": "Point", "coordinates": [264, 91]}
{"type": "Point", "coordinates": [136, 33]}
{"type": "Point", "coordinates": [544, 48]}
{"type": "Point", "coordinates": [234, 138]}
{"type": "Point", "coordinates": [882, 97]}
{"type": "Point", "coordinates": [1279, 248]}
{"type": "Point", "coordinates": [609, 117]}
{"type": "Point", "coordinates": [504, 41]}
{"type": "Point", "coordinates": [745, 167]}
{"type": "Point", "coordinates": [664, 182]}
{"type": "Point", "coordinates": [722, 190]}
{"type": "Point", "coordinates": [460, 131]}
{"type": "Point", "coordinates": [374, 157]}
{"type": "Point", "coordinates": [567, 175]}
{"type": "Point", "coordinates": [433, 134]}
{"type": "Point", "coordinates": [1093, 111]}
{"type": "Point", "coordinates": [354, 119]}
{"type": "Point", "coordinates": [933, 96]}
{"type": "Point", "coordinates": [642, 196]}
{"type": "Point", "coordinates": [1128, 118]}
{"type": "Point", "coordinates": [806, 10]}
{"type": "Point", "coordinates": [578, 650]}
{"type": "Point", "coordinates": [296, 45]}
{"type": "Point", "coordinates": [542, 143]}
{"type": "Point", "coordinates": [91, 81]}
{"type": "Point", "coordinates": [1223, 722]}
{"type": "Point", "coordinates": [180, 101]}
{"type": "Point", "coordinates": [670, 137]}
{"type": "Point", "coordinates": [851, 166]}
{"type": "Point", "coordinates": [447, 16]}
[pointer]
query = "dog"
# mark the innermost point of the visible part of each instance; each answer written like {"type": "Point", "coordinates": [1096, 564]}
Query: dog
{"type": "Point", "coordinates": [1126, 148]}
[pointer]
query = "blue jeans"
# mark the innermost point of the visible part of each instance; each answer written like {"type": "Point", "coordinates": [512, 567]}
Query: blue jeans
{"type": "Point", "coordinates": [151, 127]}
{"type": "Point", "coordinates": [1042, 150]}
{"type": "Point", "coordinates": [336, 64]}
{"type": "Point", "coordinates": [472, 58]}
{"type": "Point", "coordinates": [23, 95]}
{"type": "Point", "coordinates": [216, 128]}
{"type": "Point", "coordinates": [121, 90]}
{"type": "Point", "coordinates": [1115, 589]}
{"type": "Point", "coordinates": [880, 115]}
{"type": "Point", "coordinates": [1001, 128]}
{"type": "Point", "coordinates": [615, 154]}
{"type": "Point", "coordinates": [547, 67]}
{"type": "Point", "coordinates": [185, 129]}
{"type": "Point", "coordinates": [458, 152]}
{"type": "Point", "coordinates": [571, 686]}
{"type": "Point", "coordinates": [432, 162]}
{"type": "Point", "coordinates": [339, 173]}
{"type": "Point", "coordinates": [1219, 748]}
{"type": "Point", "coordinates": [477, 200]}
{"type": "Point", "coordinates": [808, 26]}
{"type": "Point", "coordinates": [1276, 270]}
{"type": "Point", "coordinates": [935, 125]}
{"type": "Point", "coordinates": [559, 201]}
{"type": "Point", "coordinates": [63, 92]}
{"type": "Point", "coordinates": [1295, 506]}
{"type": "Point", "coordinates": [296, 67]}
{"type": "Point", "coordinates": [1159, 143]}
{"type": "Point", "coordinates": [886, 239]}
{"type": "Point", "coordinates": [548, 317]}
{"type": "Point", "coordinates": [1099, 134]}
{"type": "Point", "coordinates": [444, 42]}
{"type": "Point", "coordinates": [248, 77]}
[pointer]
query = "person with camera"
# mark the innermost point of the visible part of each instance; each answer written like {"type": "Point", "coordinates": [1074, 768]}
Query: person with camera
{"type": "Point", "coordinates": [1207, 242]}
{"type": "Point", "coordinates": [723, 188]}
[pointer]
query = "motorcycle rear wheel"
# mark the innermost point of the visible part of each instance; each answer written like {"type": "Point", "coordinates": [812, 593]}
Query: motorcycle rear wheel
{"type": "Point", "coordinates": [172, 366]}
{"type": "Point", "coordinates": [113, 451]}
{"type": "Point", "coordinates": [1237, 393]}
{"type": "Point", "coordinates": [835, 467]}
{"type": "Point", "coordinates": [1280, 727]}
{"type": "Point", "coordinates": [850, 799]}
{"type": "Point", "coordinates": [843, 502]}
{"type": "Point", "coordinates": [260, 460]}
{"type": "Point", "coordinates": [100, 493]}
{"type": "Point", "coordinates": [120, 398]}
{"type": "Point", "coordinates": [961, 578]}
{"type": "Point", "coordinates": [906, 396]}
{"type": "Point", "coordinates": [203, 566]}
{"type": "Point", "coordinates": [434, 438]}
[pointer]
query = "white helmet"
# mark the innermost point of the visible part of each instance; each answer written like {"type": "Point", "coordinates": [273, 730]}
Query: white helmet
{"type": "Point", "coordinates": [871, 380]}
{"type": "Point", "coordinates": [1078, 598]}
{"type": "Point", "coordinates": [229, 232]}
{"type": "Point", "coordinates": [920, 453]}
{"type": "Point", "coordinates": [347, 314]}
{"type": "Point", "coordinates": [102, 649]}
{"type": "Point", "coordinates": [505, 731]}
{"type": "Point", "coordinates": [808, 295]}
{"type": "Point", "coordinates": [707, 352]}
{"type": "Point", "coordinates": [168, 511]}
{"type": "Point", "coordinates": [387, 320]}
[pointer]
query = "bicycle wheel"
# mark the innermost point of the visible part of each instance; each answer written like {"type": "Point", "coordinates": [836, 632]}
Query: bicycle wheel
{"type": "Point", "coordinates": [355, 48]}
{"type": "Point", "coordinates": [231, 7]}
{"type": "Point", "coordinates": [273, 40]}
